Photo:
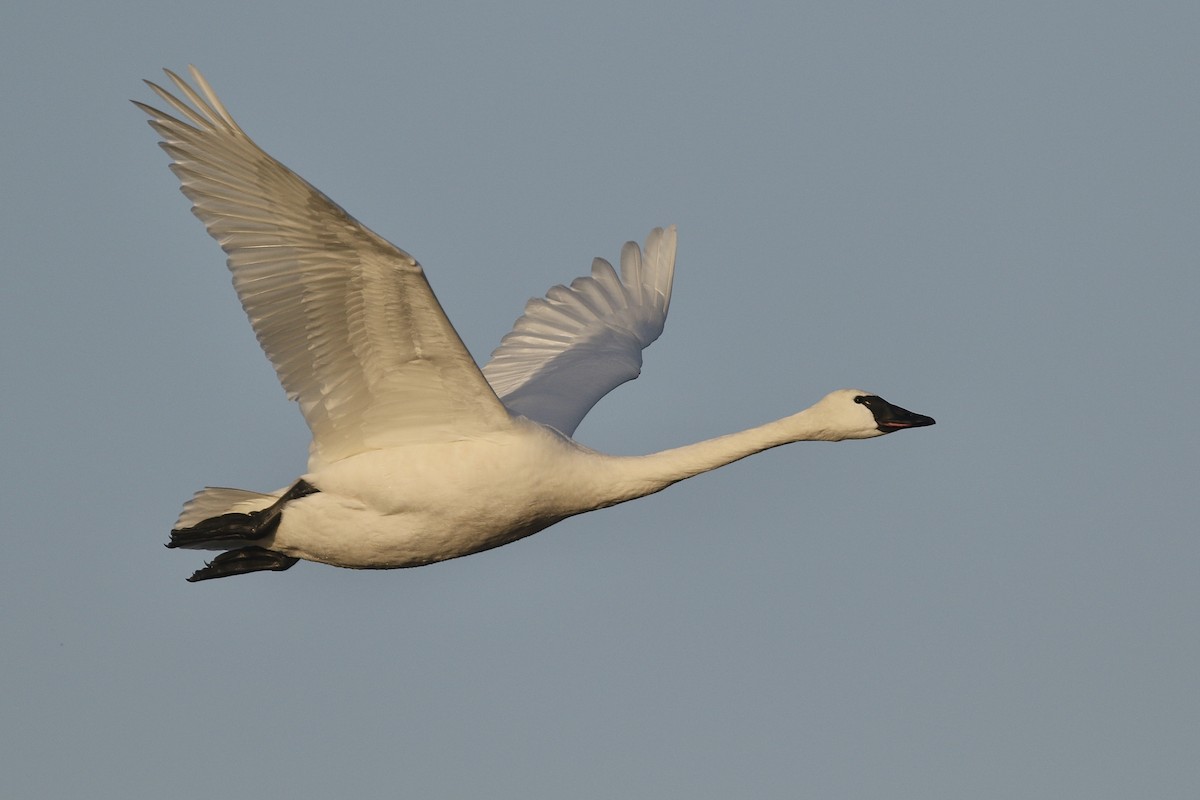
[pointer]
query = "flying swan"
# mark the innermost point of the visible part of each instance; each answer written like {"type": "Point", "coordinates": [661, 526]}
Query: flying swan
{"type": "Point", "coordinates": [417, 455]}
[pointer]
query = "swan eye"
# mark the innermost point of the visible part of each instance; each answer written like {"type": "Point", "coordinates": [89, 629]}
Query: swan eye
{"type": "Point", "coordinates": [862, 398]}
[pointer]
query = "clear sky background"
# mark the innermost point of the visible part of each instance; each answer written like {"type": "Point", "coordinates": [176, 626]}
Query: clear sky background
{"type": "Point", "coordinates": [986, 212]}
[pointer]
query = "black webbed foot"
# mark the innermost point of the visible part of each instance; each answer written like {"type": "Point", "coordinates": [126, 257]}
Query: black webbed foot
{"type": "Point", "coordinates": [241, 561]}
{"type": "Point", "coordinates": [239, 527]}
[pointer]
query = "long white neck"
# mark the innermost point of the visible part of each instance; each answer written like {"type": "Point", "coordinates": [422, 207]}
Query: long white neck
{"type": "Point", "coordinates": [637, 476]}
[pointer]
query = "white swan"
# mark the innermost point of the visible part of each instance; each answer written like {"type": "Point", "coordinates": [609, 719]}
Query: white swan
{"type": "Point", "coordinates": [418, 456]}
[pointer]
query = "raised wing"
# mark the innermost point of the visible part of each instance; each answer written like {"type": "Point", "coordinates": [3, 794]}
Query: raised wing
{"type": "Point", "coordinates": [347, 319]}
{"type": "Point", "coordinates": [578, 343]}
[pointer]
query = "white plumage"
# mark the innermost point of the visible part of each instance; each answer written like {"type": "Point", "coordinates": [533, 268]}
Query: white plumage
{"type": "Point", "coordinates": [576, 344]}
{"type": "Point", "coordinates": [418, 456]}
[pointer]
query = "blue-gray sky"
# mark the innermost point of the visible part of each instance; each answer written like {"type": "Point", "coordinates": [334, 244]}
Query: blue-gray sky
{"type": "Point", "coordinates": [984, 212]}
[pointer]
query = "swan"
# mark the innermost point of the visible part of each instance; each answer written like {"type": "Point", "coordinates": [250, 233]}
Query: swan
{"type": "Point", "coordinates": [417, 455]}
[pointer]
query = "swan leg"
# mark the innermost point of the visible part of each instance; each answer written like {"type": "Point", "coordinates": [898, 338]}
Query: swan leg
{"type": "Point", "coordinates": [236, 526]}
{"type": "Point", "coordinates": [241, 561]}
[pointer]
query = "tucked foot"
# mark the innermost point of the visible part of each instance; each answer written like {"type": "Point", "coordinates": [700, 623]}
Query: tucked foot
{"type": "Point", "coordinates": [239, 527]}
{"type": "Point", "coordinates": [241, 561]}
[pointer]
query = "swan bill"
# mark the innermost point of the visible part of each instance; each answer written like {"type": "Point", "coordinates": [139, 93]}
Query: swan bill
{"type": "Point", "coordinates": [889, 418]}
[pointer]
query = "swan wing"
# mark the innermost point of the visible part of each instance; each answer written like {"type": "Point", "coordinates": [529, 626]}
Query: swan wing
{"type": "Point", "coordinates": [579, 342]}
{"type": "Point", "coordinates": [348, 320]}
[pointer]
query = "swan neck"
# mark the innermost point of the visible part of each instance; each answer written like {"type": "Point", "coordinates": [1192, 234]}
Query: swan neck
{"type": "Point", "coordinates": [656, 471]}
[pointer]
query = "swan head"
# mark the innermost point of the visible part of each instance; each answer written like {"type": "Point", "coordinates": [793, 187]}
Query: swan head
{"type": "Point", "coordinates": [855, 414]}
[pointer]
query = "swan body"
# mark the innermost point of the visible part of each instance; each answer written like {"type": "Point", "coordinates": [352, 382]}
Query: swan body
{"type": "Point", "coordinates": [419, 456]}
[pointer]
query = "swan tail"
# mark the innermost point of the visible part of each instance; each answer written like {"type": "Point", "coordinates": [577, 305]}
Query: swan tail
{"type": "Point", "coordinates": [212, 501]}
{"type": "Point", "coordinates": [223, 519]}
